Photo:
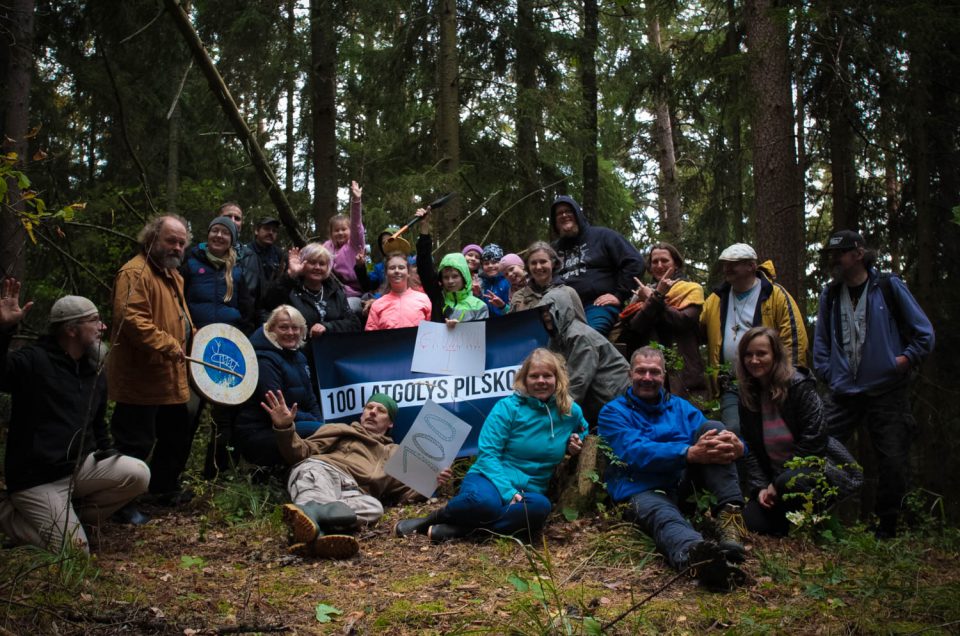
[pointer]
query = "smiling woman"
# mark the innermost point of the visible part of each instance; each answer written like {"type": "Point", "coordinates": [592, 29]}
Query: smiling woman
{"type": "Point", "coordinates": [521, 442]}
{"type": "Point", "coordinates": [402, 306]}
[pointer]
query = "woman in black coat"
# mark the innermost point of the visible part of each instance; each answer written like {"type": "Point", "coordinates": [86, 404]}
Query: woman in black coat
{"type": "Point", "coordinates": [781, 418]}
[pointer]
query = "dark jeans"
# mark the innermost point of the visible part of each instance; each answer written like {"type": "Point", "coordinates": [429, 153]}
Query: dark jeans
{"type": "Point", "coordinates": [602, 317]}
{"type": "Point", "coordinates": [889, 419]}
{"type": "Point", "coordinates": [478, 506]}
{"type": "Point", "coordinates": [167, 430]}
{"type": "Point", "coordinates": [658, 514]}
{"type": "Point", "coordinates": [774, 520]}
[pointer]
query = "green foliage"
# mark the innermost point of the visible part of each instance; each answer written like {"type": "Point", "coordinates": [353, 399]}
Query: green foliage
{"type": "Point", "coordinates": [325, 613]}
{"type": "Point", "coordinates": [188, 562]}
{"type": "Point", "coordinates": [812, 519]}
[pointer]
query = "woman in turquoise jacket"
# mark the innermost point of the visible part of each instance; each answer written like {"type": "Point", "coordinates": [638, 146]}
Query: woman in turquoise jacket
{"type": "Point", "coordinates": [521, 442]}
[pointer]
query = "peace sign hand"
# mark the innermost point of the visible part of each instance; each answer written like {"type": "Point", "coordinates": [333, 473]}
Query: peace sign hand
{"type": "Point", "coordinates": [10, 310]}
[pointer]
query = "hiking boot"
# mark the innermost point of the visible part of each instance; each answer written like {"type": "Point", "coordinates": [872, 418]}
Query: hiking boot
{"type": "Point", "coordinates": [420, 525]}
{"type": "Point", "coordinates": [732, 531]}
{"type": "Point", "coordinates": [442, 532]}
{"type": "Point", "coordinates": [708, 564]}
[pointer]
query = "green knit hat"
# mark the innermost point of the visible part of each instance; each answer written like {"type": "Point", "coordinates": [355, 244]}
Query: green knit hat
{"type": "Point", "coordinates": [388, 402]}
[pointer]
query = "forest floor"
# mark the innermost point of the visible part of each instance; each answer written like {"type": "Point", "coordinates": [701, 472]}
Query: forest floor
{"type": "Point", "coordinates": [220, 565]}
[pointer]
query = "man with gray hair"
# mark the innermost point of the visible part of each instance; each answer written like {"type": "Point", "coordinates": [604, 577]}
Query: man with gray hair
{"type": "Point", "coordinates": [60, 467]}
{"type": "Point", "coordinates": [146, 368]}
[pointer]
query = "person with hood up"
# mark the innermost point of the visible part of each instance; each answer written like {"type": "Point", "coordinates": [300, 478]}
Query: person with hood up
{"type": "Point", "coordinates": [449, 290]}
{"type": "Point", "coordinates": [597, 262]}
{"type": "Point", "coordinates": [283, 367]}
{"type": "Point", "coordinates": [598, 373]}
{"type": "Point", "coordinates": [542, 263]}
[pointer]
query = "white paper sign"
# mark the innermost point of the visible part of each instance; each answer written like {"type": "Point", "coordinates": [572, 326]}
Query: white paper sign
{"type": "Point", "coordinates": [430, 446]}
{"type": "Point", "coordinates": [441, 350]}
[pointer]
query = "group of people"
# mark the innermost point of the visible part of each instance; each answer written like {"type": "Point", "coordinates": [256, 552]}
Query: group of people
{"type": "Point", "coordinates": [597, 375]}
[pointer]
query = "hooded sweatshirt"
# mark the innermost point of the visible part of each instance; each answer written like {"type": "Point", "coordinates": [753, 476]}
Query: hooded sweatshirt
{"type": "Point", "coordinates": [460, 305]}
{"type": "Point", "coordinates": [597, 370]}
{"type": "Point", "coordinates": [597, 260]}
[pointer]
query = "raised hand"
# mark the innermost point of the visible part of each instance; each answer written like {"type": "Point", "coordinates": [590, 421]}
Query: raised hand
{"type": "Point", "coordinates": [294, 262]}
{"type": "Point", "coordinates": [666, 282]}
{"type": "Point", "coordinates": [10, 310]}
{"type": "Point", "coordinates": [494, 300]}
{"type": "Point", "coordinates": [280, 415]}
{"type": "Point", "coordinates": [355, 190]}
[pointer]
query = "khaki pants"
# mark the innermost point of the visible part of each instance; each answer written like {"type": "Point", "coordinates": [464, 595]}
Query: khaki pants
{"type": "Point", "coordinates": [45, 517]}
{"type": "Point", "coordinates": [318, 481]}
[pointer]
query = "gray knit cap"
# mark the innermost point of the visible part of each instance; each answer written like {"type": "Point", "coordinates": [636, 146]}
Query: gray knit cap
{"type": "Point", "coordinates": [72, 308]}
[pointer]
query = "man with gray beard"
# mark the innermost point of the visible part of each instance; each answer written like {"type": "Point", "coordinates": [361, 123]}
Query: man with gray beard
{"type": "Point", "coordinates": [146, 369]}
{"type": "Point", "coordinates": [61, 470]}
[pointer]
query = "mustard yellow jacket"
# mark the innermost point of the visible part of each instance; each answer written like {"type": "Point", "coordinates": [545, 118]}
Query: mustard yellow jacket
{"type": "Point", "coordinates": [775, 309]}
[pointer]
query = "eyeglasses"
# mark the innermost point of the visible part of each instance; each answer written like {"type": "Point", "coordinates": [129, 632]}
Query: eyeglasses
{"type": "Point", "coordinates": [219, 232]}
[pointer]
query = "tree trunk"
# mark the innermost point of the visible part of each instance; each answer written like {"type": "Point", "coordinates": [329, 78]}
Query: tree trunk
{"type": "Point", "coordinates": [222, 93]}
{"type": "Point", "coordinates": [173, 156]}
{"type": "Point", "coordinates": [323, 48]}
{"type": "Point", "coordinates": [588, 83]}
{"type": "Point", "coordinates": [834, 63]}
{"type": "Point", "coordinates": [16, 20]}
{"type": "Point", "coordinates": [670, 210]}
{"type": "Point", "coordinates": [528, 54]}
{"type": "Point", "coordinates": [291, 91]}
{"type": "Point", "coordinates": [448, 117]}
{"type": "Point", "coordinates": [777, 187]}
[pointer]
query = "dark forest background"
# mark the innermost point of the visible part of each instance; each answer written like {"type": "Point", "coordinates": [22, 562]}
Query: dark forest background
{"type": "Point", "coordinates": [702, 123]}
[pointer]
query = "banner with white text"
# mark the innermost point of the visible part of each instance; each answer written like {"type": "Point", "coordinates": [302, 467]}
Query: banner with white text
{"type": "Point", "coordinates": [353, 366]}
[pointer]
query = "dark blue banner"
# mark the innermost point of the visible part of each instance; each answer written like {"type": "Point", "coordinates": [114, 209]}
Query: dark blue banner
{"type": "Point", "coordinates": [351, 367]}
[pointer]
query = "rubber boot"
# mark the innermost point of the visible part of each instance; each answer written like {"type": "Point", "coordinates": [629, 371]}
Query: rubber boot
{"type": "Point", "coordinates": [442, 532]}
{"type": "Point", "coordinates": [420, 525]}
{"type": "Point", "coordinates": [302, 521]}
{"type": "Point", "coordinates": [335, 516]}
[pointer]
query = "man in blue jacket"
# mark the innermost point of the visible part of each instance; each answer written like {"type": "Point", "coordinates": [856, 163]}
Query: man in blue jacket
{"type": "Point", "coordinates": [596, 262]}
{"type": "Point", "coordinates": [871, 333]}
{"type": "Point", "coordinates": [664, 447]}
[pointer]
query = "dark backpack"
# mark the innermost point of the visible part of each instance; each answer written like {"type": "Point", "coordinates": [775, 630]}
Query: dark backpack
{"type": "Point", "coordinates": [886, 288]}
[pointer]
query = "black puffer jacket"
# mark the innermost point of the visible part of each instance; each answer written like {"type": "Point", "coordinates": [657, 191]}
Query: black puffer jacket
{"type": "Point", "coordinates": [802, 412]}
{"type": "Point", "coordinates": [331, 310]}
{"type": "Point", "coordinates": [58, 412]}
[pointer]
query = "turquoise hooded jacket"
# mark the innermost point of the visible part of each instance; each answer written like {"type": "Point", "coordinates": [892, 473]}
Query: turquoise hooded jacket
{"type": "Point", "coordinates": [522, 441]}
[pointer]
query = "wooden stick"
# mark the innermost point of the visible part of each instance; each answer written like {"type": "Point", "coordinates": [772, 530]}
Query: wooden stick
{"type": "Point", "coordinates": [213, 366]}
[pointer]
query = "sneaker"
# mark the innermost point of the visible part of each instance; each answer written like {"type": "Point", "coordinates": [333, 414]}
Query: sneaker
{"type": "Point", "coordinates": [732, 532]}
{"type": "Point", "coordinates": [130, 515]}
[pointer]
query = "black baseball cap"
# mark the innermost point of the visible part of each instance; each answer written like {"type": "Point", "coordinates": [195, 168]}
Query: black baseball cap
{"type": "Point", "coordinates": [844, 240]}
{"type": "Point", "coordinates": [267, 220]}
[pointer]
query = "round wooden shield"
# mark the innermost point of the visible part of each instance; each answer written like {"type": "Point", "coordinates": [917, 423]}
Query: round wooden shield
{"type": "Point", "coordinates": [229, 371]}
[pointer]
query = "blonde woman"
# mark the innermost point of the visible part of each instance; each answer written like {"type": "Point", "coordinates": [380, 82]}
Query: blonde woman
{"type": "Point", "coordinates": [521, 442]}
{"type": "Point", "coordinates": [283, 367]}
